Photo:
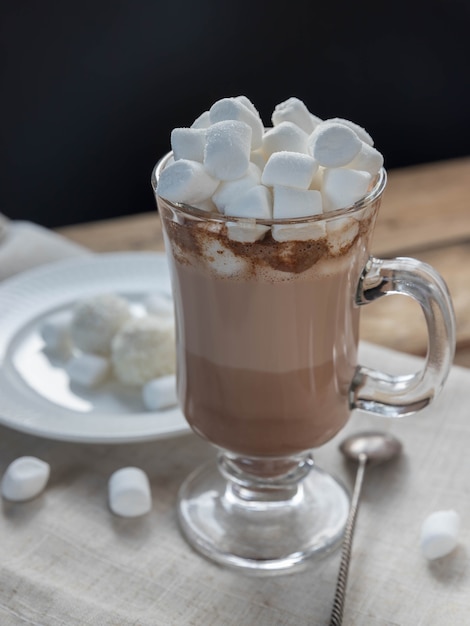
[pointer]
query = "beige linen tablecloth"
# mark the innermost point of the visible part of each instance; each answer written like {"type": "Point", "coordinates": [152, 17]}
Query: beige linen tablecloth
{"type": "Point", "coordinates": [66, 559]}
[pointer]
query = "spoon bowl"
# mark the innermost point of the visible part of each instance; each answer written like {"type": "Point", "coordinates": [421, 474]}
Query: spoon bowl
{"type": "Point", "coordinates": [378, 447]}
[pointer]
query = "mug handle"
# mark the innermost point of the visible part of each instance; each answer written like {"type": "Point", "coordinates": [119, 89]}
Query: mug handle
{"type": "Point", "coordinates": [394, 396]}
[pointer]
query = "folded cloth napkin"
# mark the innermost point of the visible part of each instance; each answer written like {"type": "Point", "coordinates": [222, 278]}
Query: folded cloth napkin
{"type": "Point", "coordinates": [24, 245]}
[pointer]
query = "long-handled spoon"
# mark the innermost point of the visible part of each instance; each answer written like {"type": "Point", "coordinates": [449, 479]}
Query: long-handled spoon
{"type": "Point", "coordinates": [364, 448]}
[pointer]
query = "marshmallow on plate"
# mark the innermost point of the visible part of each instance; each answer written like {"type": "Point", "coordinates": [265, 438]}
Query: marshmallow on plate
{"type": "Point", "coordinates": [238, 109]}
{"type": "Point", "coordinates": [202, 121]}
{"type": "Point", "coordinates": [160, 393]}
{"type": "Point", "coordinates": [333, 144]}
{"type": "Point", "coordinates": [186, 181]}
{"type": "Point", "coordinates": [96, 319]}
{"type": "Point", "coordinates": [285, 136]}
{"type": "Point", "coordinates": [55, 331]}
{"type": "Point", "coordinates": [289, 169]}
{"type": "Point", "coordinates": [343, 187]}
{"type": "Point", "coordinates": [188, 143]}
{"type": "Point", "coordinates": [144, 348]}
{"type": "Point", "coordinates": [87, 370]}
{"type": "Point", "coordinates": [129, 492]}
{"type": "Point", "coordinates": [227, 150]}
{"type": "Point", "coordinates": [25, 478]}
{"type": "Point", "coordinates": [228, 190]}
{"type": "Point", "coordinates": [295, 111]}
{"type": "Point", "coordinates": [439, 534]}
{"type": "Point", "coordinates": [159, 304]}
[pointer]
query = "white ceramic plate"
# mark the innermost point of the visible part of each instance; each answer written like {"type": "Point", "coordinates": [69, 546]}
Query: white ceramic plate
{"type": "Point", "coordinates": [35, 394]}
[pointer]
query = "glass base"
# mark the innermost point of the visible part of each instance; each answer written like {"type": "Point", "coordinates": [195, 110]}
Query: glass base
{"type": "Point", "coordinates": [273, 528]}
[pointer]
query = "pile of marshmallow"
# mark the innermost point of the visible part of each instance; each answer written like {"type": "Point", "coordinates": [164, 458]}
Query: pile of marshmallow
{"type": "Point", "coordinates": [302, 166]}
{"type": "Point", "coordinates": [101, 337]}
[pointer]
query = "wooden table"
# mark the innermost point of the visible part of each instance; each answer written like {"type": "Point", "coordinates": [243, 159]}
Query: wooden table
{"type": "Point", "coordinates": [425, 214]}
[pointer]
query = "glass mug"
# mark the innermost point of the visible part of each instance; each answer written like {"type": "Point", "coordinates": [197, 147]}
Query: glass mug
{"type": "Point", "coordinates": [267, 340]}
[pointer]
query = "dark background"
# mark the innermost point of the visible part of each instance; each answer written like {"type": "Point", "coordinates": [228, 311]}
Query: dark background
{"type": "Point", "coordinates": [90, 90]}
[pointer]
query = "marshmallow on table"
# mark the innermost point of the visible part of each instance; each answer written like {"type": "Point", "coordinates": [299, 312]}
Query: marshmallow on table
{"type": "Point", "coordinates": [368, 159]}
{"type": "Point", "coordinates": [55, 331]}
{"type": "Point", "coordinates": [227, 150]}
{"type": "Point", "coordinates": [343, 187]}
{"type": "Point", "coordinates": [236, 109]}
{"type": "Point", "coordinates": [360, 132]}
{"type": "Point", "coordinates": [188, 143]}
{"type": "Point", "coordinates": [333, 144]}
{"type": "Point", "coordinates": [290, 169]}
{"type": "Point", "coordinates": [439, 534]}
{"type": "Point", "coordinates": [25, 478]}
{"type": "Point", "coordinates": [160, 393]}
{"type": "Point", "coordinates": [295, 111]}
{"type": "Point", "coordinates": [285, 136]}
{"type": "Point", "coordinates": [87, 370]}
{"type": "Point", "coordinates": [129, 492]}
{"type": "Point", "coordinates": [186, 181]}
{"type": "Point", "coordinates": [230, 189]}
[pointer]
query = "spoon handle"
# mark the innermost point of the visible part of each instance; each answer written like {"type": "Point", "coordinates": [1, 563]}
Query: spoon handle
{"type": "Point", "coordinates": [336, 618]}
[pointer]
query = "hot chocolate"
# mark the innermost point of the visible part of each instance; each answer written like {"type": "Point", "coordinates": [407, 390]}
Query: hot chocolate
{"type": "Point", "coordinates": [267, 331]}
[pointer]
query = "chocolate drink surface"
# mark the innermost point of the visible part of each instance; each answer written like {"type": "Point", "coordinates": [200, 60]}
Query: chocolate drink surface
{"type": "Point", "coordinates": [267, 331]}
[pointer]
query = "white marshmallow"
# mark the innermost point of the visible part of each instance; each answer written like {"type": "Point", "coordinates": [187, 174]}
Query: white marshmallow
{"type": "Point", "coordinates": [317, 179]}
{"type": "Point", "coordinates": [368, 159]}
{"type": "Point", "coordinates": [343, 187]}
{"type": "Point", "coordinates": [295, 111]}
{"type": "Point", "coordinates": [246, 231]}
{"type": "Point", "coordinates": [228, 190]}
{"type": "Point", "coordinates": [236, 109]}
{"type": "Point", "coordinates": [144, 349]}
{"type": "Point", "coordinates": [203, 121]}
{"type": "Point", "coordinates": [248, 103]}
{"type": "Point", "coordinates": [290, 169]}
{"type": "Point", "coordinates": [55, 331]}
{"type": "Point", "coordinates": [291, 203]}
{"type": "Point", "coordinates": [439, 534]}
{"type": "Point", "coordinates": [285, 136]}
{"type": "Point", "coordinates": [188, 143]}
{"type": "Point", "coordinates": [310, 231]}
{"type": "Point", "coordinates": [186, 181]}
{"type": "Point", "coordinates": [227, 151]}
{"type": "Point", "coordinates": [255, 203]}
{"type": "Point", "coordinates": [87, 370]}
{"type": "Point", "coordinates": [25, 478]}
{"type": "Point", "coordinates": [159, 304]}
{"type": "Point", "coordinates": [315, 120]}
{"type": "Point", "coordinates": [333, 145]}
{"type": "Point", "coordinates": [341, 233]}
{"type": "Point", "coordinates": [95, 321]}
{"type": "Point", "coordinates": [160, 393]}
{"type": "Point", "coordinates": [360, 132]}
{"type": "Point", "coordinates": [258, 158]}
{"type": "Point", "coordinates": [129, 492]}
